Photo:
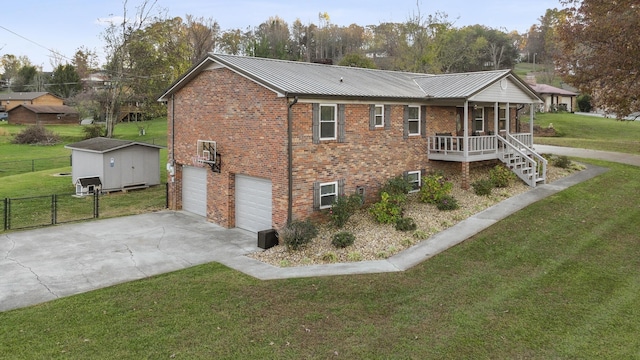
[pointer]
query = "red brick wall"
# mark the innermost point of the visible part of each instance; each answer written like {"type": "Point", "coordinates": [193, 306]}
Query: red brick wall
{"type": "Point", "coordinates": [248, 123]}
{"type": "Point", "coordinates": [367, 157]}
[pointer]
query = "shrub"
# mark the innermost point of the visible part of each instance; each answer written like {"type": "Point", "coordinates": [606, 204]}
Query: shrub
{"type": "Point", "coordinates": [397, 186]}
{"type": "Point", "coordinates": [562, 162]}
{"type": "Point", "coordinates": [92, 131]}
{"type": "Point", "coordinates": [482, 187]}
{"type": "Point", "coordinates": [501, 177]}
{"type": "Point", "coordinates": [447, 202]}
{"type": "Point", "coordinates": [389, 209]}
{"type": "Point", "coordinates": [36, 134]}
{"type": "Point", "coordinates": [434, 187]}
{"type": "Point", "coordinates": [297, 234]}
{"type": "Point", "coordinates": [330, 257]}
{"type": "Point", "coordinates": [343, 239]}
{"type": "Point", "coordinates": [343, 208]}
{"type": "Point", "coordinates": [406, 224]}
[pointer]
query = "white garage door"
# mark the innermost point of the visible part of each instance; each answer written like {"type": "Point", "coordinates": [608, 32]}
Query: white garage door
{"type": "Point", "coordinates": [253, 203]}
{"type": "Point", "coordinates": [194, 190]}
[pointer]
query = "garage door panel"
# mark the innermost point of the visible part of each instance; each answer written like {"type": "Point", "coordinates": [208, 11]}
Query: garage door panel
{"type": "Point", "coordinates": [194, 190]}
{"type": "Point", "coordinates": [253, 203]}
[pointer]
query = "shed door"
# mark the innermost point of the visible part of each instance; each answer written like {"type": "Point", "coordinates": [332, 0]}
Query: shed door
{"type": "Point", "coordinates": [253, 203]}
{"type": "Point", "coordinates": [194, 190]}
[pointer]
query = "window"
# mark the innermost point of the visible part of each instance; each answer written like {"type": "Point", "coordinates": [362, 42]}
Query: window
{"type": "Point", "coordinates": [328, 122]}
{"type": "Point", "coordinates": [328, 194]}
{"type": "Point", "coordinates": [414, 120]}
{"type": "Point", "coordinates": [502, 119]}
{"type": "Point", "coordinates": [379, 116]}
{"type": "Point", "coordinates": [478, 119]}
{"type": "Point", "coordinates": [414, 178]}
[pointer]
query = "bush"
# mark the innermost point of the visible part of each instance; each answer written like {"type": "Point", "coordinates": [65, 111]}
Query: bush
{"type": "Point", "coordinates": [92, 131]}
{"type": "Point", "coordinates": [584, 102]}
{"type": "Point", "coordinates": [482, 187]}
{"type": "Point", "coordinates": [406, 224]}
{"type": "Point", "coordinates": [389, 209]}
{"type": "Point", "coordinates": [297, 234]}
{"type": "Point", "coordinates": [434, 187]}
{"type": "Point", "coordinates": [343, 239]}
{"type": "Point", "coordinates": [501, 177]}
{"type": "Point", "coordinates": [36, 134]}
{"type": "Point", "coordinates": [397, 186]}
{"type": "Point", "coordinates": [447, 202]}
{"type": "Point", "coordinates": [562, 162]}
{"type": "Point", "coordinates": [343, 208]}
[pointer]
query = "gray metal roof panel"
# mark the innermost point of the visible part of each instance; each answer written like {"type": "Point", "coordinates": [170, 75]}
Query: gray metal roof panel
{"type": "Point", "coordinates": [301, 78]}
{"type": "Point", "coordinates": [460, 85]}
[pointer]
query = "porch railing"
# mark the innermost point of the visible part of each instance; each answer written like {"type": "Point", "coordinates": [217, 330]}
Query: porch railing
{"type": "Point", "coordinates": [476, 145]}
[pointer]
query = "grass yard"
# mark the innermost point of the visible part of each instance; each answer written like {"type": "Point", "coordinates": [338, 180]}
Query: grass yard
{"type": "Point", "coordinates": [557, 280]}
{"type": "Point", "coordinates": [590, 132]}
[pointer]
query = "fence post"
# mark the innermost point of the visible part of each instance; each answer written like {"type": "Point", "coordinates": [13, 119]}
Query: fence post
{"type": "Point", "coordinates": [33, 165]}
{"type": "Point", "coordinates": [6, 213]}
{"type": "Point", "coordinates": [96, 205]}
{"type": "Point", "coordinates": [53, 209]}
{"type": "Point", "coordinates": [8, 217]}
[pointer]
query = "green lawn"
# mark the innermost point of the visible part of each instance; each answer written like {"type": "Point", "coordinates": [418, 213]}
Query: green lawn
{"type": "Point", "coordinates": [557, 280]}
{"type": "Point", "coordinates": [590, 132]}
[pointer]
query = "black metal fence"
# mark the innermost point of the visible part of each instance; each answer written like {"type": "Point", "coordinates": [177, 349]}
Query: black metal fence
{"type": "Point", "coordinates": [39, 211]}
{"type": "Point", "coordinates": [23, 166]}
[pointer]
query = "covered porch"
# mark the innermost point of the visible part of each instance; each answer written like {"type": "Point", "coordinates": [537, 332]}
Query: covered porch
{"type": "Point", "coordinates": [481, 138]}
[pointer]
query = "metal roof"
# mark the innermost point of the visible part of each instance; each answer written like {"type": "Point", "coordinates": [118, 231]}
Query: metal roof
{"type": "Point", "coordinates": [461, 85]}
{"type": "Point", "coordinates": [548, 89]}
{"type": "Point", "coordinates": [292, 78]}
{"type": "Point", "coordinates": [103, 145]}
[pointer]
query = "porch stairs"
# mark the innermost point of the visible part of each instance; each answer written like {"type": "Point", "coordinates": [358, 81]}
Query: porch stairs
{"type": "Point", "coordinates": [528, 165]}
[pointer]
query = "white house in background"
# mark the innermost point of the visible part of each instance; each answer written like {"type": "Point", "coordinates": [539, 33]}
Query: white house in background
{"type": "Point", "coordinates": [555, 99]}
{"type": "Point", "coordinates": [117, 164]}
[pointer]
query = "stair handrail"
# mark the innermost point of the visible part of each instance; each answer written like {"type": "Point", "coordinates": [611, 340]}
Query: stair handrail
{"type": "Point", "coordinates": [541, 160]}
{"type": "Point", "coordinates": [529, 161]}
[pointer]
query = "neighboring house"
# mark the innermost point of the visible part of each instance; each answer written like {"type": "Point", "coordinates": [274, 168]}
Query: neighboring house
{"type": "Point", "coordinates": [27, 114]}
{"type": "Point", "coordinates": [555, 99]}
{"type": "Point", "coordinates": [9, 101]}
{"type": "Point", "coordinates": [254, 143]}
{"type": "Point", "coordinates": [118, 164]}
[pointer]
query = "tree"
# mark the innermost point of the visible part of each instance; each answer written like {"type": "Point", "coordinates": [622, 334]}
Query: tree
{"type": "Point", "coordinates": [85, 61]}
{"type": "Point", "coordinates": [117, 38]}
{"type": "Point", "coordinates": [357, 60]}
{"type": "Point", "coordinates": [65, 81]}
{"type": "Point", "coordinates": [600, 53]}
{"type": "Point", "coordinates": [202, 36]}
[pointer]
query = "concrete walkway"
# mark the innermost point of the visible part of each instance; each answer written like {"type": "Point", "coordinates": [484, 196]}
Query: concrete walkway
{"type": "Point", "coordinates": [48, 263]}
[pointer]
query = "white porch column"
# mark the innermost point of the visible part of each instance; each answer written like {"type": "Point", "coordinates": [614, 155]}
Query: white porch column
{"type": "Point", "coordinates": [496, 110]}
{"type": "Point", "coordinates": [465, 140]}
{"type": "Point", "coordinates": [508, 119]}
{"type": "Point", "coordinates": [531, 112]}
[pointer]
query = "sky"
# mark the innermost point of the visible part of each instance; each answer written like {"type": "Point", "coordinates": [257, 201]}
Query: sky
{"type": "Point", "coordinates": [35, 27]}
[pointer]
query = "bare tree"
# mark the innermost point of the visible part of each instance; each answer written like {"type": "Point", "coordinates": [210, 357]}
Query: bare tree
{"type": "Point", "coordinates": [117, 37]}
{"type": "Point", "coordinates": [203, 35]}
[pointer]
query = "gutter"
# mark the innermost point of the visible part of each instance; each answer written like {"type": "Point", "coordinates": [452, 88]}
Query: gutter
{"type": "Point", "coordinates": [290, 158]}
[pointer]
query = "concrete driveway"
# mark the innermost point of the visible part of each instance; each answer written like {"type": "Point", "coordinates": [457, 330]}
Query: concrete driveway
{"type": "Point", "coordinates": [47, 263]}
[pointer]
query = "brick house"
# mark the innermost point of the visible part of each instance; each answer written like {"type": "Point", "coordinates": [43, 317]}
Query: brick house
{"type": "Point", "coordinates": [256, 142]}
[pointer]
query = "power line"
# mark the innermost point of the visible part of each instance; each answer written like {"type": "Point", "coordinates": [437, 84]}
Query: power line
{"type": "Point", "coordinates": [35, 43]}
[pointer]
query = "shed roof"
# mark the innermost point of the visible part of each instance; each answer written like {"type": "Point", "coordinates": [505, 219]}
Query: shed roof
{"type": "Point", "coordinates": [47, 109]}
{"type": "Point", "coordinates": [291, 78]}
{"type": "Point", "coordinates": [105, 145]}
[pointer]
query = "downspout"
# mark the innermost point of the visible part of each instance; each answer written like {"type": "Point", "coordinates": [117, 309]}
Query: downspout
{"type": "Point", "coordinates": [290, 158]}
